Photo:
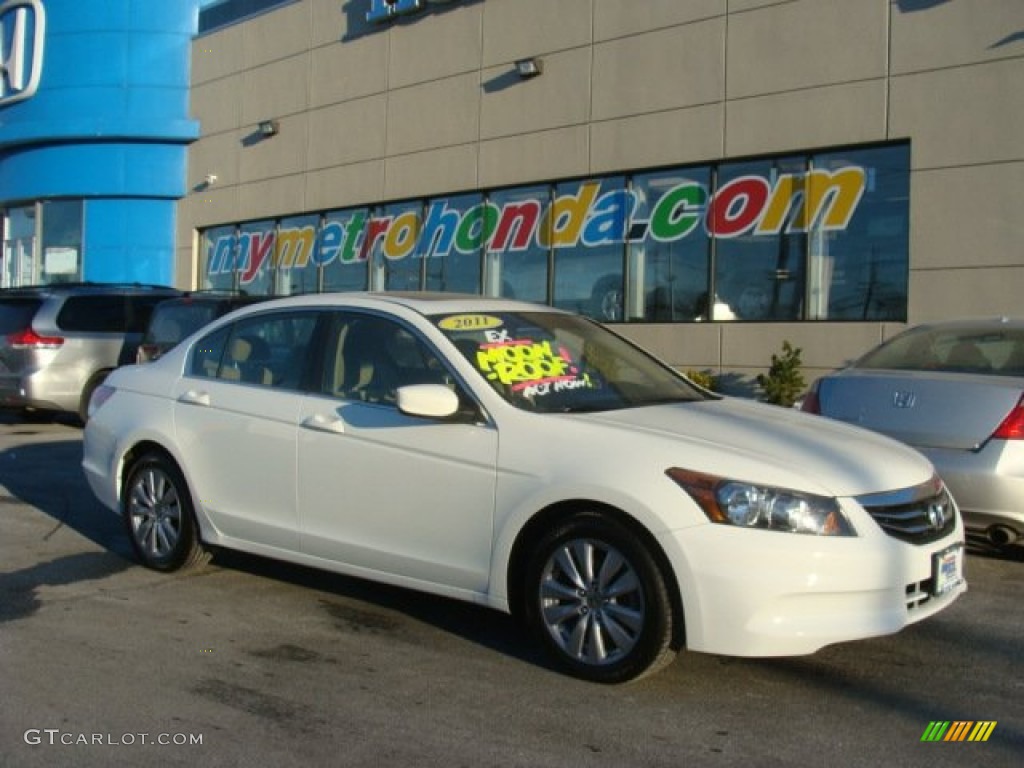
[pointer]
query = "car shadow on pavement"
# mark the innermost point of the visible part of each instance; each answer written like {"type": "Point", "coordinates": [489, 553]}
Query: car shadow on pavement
{"type": "Point", "coordinates": [48, 477]}
{"type": "Point", "coordinates": [477, 624]}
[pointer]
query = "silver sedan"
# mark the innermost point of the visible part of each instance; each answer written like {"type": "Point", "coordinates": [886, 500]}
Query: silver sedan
{"type": "Point", "coordinates": [953, 390]}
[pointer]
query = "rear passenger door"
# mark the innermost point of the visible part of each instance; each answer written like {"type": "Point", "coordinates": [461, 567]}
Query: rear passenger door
{"type": "Point", "coordinates": [236, 415]}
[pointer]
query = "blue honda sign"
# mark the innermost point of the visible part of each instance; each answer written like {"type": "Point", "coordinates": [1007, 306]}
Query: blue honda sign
{"type": "Point", "coordinates": [22, 31]}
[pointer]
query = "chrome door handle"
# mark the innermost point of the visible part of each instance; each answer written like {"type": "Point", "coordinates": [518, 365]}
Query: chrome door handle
{"type": "Point", "coordinates": [191, 397]}
{"type": "Point", "coordinates": [322, 423]}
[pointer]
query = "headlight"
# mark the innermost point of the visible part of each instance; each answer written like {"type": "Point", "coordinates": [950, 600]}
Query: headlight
{"type": "Point", "coordinates": [746, 505]}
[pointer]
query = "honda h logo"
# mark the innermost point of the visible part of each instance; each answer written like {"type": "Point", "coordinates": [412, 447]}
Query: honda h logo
{"type": "Point", "coordinates": [904, 399]}
{"type": "Point", "coordinates": [22, 27]}
{"type": "Point", "coordinates": [937, 515]}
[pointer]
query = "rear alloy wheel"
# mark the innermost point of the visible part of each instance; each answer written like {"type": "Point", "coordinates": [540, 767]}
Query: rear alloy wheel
{"type": "Point", "coordinates": [159, 517]}
{"type": "Point", "coordinates": [598, 600]}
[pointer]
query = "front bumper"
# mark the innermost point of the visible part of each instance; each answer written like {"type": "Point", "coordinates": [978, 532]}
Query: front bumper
{"type": "Point", "coordinates": [764, 593]}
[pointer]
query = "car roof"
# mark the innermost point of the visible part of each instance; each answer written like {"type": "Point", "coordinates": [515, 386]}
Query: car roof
{"type": "Point", "coordinates": [59, 289]}
{"type": "Point", "coordinates": [421, 302]}
{"type": "Point", "coordinates": [971, 324]}
{"type": "Point", "coordinates": [213, 297]}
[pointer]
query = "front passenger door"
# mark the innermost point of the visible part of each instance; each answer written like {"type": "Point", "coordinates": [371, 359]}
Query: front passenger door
{"type": "Point", "coordinates": [386, 493]}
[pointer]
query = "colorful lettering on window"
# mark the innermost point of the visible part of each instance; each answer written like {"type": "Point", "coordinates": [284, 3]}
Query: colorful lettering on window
{"type": "Point", "coordinates": [526, 366]}
{"type": "Point", "coordinates": [750, 205]}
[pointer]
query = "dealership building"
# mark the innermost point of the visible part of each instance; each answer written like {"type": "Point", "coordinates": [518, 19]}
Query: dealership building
{"type": "Point", "coordinates": [713, 177]}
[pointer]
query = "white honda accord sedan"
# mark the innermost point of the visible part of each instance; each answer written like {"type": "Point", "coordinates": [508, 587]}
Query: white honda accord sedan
{"type": "Point", "coordinates": [526, 459]}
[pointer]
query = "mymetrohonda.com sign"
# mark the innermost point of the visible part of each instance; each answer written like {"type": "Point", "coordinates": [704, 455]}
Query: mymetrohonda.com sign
{"type": "Point", "coordinates": [589, 215]}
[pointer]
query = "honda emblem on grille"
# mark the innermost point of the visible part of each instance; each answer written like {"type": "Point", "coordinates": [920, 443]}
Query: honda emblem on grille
{"type": "Point", "coordinates": [936, 515]}
{"type": "Point", "coordinates": [903, 399]}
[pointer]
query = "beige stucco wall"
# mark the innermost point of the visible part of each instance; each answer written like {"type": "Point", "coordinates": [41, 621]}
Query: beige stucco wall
{"type": "Point", "coordinates": [428, 105]}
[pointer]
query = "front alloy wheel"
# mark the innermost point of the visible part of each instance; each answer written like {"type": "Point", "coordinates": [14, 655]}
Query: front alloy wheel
{"type": "Point", "coordinates": [158, 515]}
{"type": "Point", "coordinates": [599, 601]}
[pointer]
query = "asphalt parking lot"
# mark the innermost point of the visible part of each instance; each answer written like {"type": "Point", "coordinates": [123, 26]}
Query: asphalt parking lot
{"type": "Point", "coordinates": [248, 662]}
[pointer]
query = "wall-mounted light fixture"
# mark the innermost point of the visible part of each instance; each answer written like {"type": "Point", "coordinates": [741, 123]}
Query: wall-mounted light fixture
{"type": "Point", "coordinates": [268, 128]}
{"type": "Point", "coordinates": [211, 179]}
{"type": "Point", "coordinates": [531, 67]}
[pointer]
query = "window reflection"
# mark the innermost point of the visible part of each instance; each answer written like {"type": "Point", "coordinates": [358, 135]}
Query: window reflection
{"type": "Point", "coordinates": [758, 275]}
{"type": "Point", "coordinates": [671, 274]}
{"type": "Point", "coordinates": [588, 225]}
{"type": "Point", "coordinates": [454, 232]}
{"type": "Point", "coordinates": [862, 272]}
{"type": "Point", "coordinates": [220, 251]}
{"type": "Point", "coordinates": [341, 250]}
{"type": "Point", "coordinates": [294, 260]}
{"type": "Point", "coordinates": [517, 263]}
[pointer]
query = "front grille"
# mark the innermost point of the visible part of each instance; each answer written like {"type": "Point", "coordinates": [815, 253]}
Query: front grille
{"type": "Point", "coordinates": [916, 515]}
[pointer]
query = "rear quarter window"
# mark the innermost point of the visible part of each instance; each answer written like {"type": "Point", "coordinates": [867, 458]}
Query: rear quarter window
{"type": "Point", "coordinates": [17, 314]}
{"type": "Point", "coordinates": [138, 311]}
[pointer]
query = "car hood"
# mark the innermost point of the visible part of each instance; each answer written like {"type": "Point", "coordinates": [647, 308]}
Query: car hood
{"type": "Point", "coordinates": [771, 445]}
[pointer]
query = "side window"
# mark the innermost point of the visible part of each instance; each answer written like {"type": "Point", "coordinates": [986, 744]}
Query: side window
{"type": "Point", "coordinates": [207, 354]}
{"type": "Point", "coordinates": [271, 350]}
{"type": "Point", "coordinates": [93, 314]}
{"type": "Point", "coordinates": [369, 358]}
{"type": "Point", "coordinates": [139, 309]}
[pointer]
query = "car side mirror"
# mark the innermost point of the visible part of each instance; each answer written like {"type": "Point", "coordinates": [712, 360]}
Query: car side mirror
{"type": "Point", "coordinates": [428, 401]}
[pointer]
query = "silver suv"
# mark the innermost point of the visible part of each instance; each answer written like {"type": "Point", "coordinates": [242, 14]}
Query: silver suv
{"type": "Point", "coordinates": [58, 342]}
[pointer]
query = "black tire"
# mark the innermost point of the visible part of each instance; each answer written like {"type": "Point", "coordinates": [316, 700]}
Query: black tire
{"type": "Point", "coordinates": [158, 515]}
{"type": "Point", "coordinates": [597, 599]}
{"type": "Point", "coordinates": [90, 386]}
{"type": "Point", "coordinates": [36, 416]}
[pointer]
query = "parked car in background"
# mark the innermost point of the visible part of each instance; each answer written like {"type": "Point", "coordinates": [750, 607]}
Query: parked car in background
{"type": "Point", "coordinates": [954, 391]}
{"type": "Point", "coordinates": [530, 460]}
{"type": "Point", "coordinates": [58, 342]}
{"type": "Point", "coordinates": [176, 319]}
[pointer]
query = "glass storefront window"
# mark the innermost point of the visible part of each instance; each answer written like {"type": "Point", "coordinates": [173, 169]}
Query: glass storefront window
{"type": "Point", "coordinates": [19, 265]}
{"type": "Point", "coordinates": [62, 241]}
{"type": "Point", "coordinates": [220, 255]}
{"type": "Point", "coordinates": [341, 250]}
{"type": "Point", "coordinates": [452, 241]}
{"type": "Point", "coordinates": [295, 265]}
{"type": "Point", "coordinates": [669, 259]}
{"type": "Point", "coordinates": [255, 257]}
{"type": "Point", "coordinates": [517, 263]}
{"type": "Point", "coordinates": [393, 235]}
{"type": "Point", "coordinates": [805, 237]}
{"type": "Point", "coordinates": [42, 243]}
{"type": "Point", "coordinates": [587, 224]}
{"type": "Point", "coordinates": [759, 258]}
{"type": "Point", "coordinates": [861, 271]}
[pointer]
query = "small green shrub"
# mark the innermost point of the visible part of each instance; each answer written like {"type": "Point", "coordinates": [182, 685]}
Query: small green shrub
{"type": "Point", "coordinates": [784, 382]}
{"type": "Point", "coordinates": [702, 379]}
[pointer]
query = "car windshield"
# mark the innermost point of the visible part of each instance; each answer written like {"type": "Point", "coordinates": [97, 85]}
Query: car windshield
{"type": "Point", "coordinates": [998, 351]}
{"type": "Point", "coordinates": [561, 363]}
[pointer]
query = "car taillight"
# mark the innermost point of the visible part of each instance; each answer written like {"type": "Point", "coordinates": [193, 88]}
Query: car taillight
{"type": "Point", "coordinates": [1012, 427]}
{"type": "Point", "coordinates": [29, 339]}
{"type": "Point", "coordinates": [147, 353]}
{"type": "Point", "coordinates": [811, 403]}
